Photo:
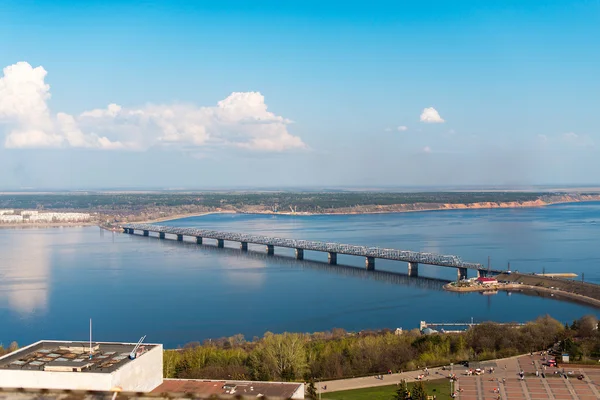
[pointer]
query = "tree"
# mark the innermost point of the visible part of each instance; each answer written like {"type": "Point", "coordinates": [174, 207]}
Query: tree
{"type": "Point", "coordinates": [587, 325]}
{"type": "Point", "coordinates": [282, 356]}
{"type": "Point", "coordinates": [311, 390]}
{"type": "Point", "coordinates": [402, 393]}
{"type": "Point", "coordinates": [419, 391]}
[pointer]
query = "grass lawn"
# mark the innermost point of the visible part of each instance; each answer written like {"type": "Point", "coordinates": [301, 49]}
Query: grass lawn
{"type": "Point", "coordinates": [441, 387]}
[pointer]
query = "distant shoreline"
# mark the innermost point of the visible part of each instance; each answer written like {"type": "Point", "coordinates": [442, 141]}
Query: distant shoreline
{"type": "Point", "coordinates": [401, 210]}
{"type": "Point", "coordinates": [381, 209]}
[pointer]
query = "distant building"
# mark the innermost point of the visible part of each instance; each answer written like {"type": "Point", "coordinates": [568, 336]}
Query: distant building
{"type": "Point", "coordinates": [398, 331]}
{"type": "Point", "coordinates": [33, 216]}
{"type": "Point", "coordinates": [7, 212]}
{"type": "Point", "coordinates": [486, 281]}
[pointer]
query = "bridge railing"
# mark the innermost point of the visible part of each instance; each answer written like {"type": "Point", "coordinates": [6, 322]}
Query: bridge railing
{"type": "Point", "coordinates": [340, 248]}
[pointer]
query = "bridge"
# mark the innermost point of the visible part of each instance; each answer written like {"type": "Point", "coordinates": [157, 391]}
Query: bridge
{"type": "Point", "coordinates": [413, 258]}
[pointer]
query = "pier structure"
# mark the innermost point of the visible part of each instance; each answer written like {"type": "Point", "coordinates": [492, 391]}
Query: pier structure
{"type": "Point", "coordinates": [413, 258]}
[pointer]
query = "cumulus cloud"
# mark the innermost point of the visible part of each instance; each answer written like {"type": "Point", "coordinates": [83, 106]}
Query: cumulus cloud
{"type": "Point", "coordinates": [402, 128]}
{"type": "Point", "coordinates": [431, 116]}
{"type": "Point", "coordinates": [241, 120]}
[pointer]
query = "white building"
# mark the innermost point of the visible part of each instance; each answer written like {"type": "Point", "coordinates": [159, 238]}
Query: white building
{"type": "Point", "coordinates": [67, 365]}
{"type": "Point", "coordinates": [7, 212]}
{"type": "Point", "coordinates": [33, 216]}
{"type": "Point", "coordinates": [11, 219]}
{"type": "Point", "coordinates": [28, 213]}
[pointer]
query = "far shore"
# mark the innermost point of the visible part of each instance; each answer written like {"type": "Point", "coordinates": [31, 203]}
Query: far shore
{"type": "Point", "coordinates": [442, 207]}
{"type": "Point", "coordinates": [391, 209]}
{"type": "Point", "coordinates": [47, 225]}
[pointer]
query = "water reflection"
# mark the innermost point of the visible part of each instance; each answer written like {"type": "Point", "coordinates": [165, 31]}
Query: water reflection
{"type": "Point", "coordinates": [24, 279]}
{"type": "Point", "coordinates": [249, 267]}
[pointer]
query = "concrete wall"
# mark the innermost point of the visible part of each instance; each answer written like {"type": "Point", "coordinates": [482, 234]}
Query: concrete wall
{"type": "Point", "coordinates": [141, 375]}
{"type": "Point", "coordinates": [54, 380]}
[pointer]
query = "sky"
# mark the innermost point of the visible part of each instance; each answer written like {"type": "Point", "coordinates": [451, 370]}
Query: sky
{"type": "Point", "coordinates": [209, 94]}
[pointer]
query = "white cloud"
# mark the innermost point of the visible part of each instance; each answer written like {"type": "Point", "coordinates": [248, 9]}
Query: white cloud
{"type": "Point", "coordinates": [239, 121]}
{"type": "Point", "coordinates": [431, 116]}
{"type": "Point", "coordinates": [402, 128]}
{"type": "Point", "coordinates": [574, 139]}
{"type": "Point", "coordinates": [426, 149]}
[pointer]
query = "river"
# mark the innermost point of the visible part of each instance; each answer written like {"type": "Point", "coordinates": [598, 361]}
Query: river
{"type": "Point", "coordinates": [52, 280]}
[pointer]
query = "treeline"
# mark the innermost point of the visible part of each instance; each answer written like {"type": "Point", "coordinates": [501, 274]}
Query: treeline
{"type": "Point", "coordinates": [338, 354]}
{"type": "Point", "coordinates": [300, 201]}
{"type": "Point", "coordinates": [5, 350]}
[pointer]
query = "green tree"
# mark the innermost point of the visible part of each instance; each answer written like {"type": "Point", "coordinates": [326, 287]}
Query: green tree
{"type": "Point", "coordinates": [419, 391]}
{"type": "Point", "coordinates": [402, 393]}
{"type": "Point", "coordinates": [282, 356]}
{"type": "Point", "coordinates": [311, 390]}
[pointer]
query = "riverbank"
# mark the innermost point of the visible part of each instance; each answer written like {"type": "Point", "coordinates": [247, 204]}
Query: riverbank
{"type": "Point", "coordinates": [397, 208]}
{"type": "Point", "coordinates": [558, 288]}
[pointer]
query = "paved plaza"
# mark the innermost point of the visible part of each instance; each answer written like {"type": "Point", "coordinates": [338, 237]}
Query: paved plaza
{"type": "Point", "coordinates": [504, 383]}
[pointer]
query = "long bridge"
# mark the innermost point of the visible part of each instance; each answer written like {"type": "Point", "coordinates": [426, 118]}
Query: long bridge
{"type": "Point", "coordinates": [413, 258]}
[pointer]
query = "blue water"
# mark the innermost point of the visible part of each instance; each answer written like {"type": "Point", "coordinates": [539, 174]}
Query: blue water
{"type": "Point", "coordinates": [53, 280]}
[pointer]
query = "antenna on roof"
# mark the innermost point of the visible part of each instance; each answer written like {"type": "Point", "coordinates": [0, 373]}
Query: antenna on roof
{"type": "Point", "coordinates": [133, 352]}
{"type": "Point", "coordinates": [90, 338]}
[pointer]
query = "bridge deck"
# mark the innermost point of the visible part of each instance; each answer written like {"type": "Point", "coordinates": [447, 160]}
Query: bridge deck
{"type": "Point", "coordinates": [339, 248]}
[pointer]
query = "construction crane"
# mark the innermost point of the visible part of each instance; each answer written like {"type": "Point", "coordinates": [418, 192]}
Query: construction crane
{"type": "Point", "coordinates": [134, 351]}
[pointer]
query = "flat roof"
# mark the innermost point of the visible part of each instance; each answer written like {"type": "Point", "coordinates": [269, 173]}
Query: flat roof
{"type": "Point", "coordinates": [219, 388]}
{"type": "Point", "coordinates": [47, 355]}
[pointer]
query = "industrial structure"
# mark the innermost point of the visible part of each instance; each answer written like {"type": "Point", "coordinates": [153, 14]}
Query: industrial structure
{"type": "Point", "coordinates": [413, 258]}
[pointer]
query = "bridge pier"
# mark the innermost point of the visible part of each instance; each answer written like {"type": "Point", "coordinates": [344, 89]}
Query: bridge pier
{"type": "Point", "coordinates": [146, 233]}
{"type": "Point", "coordinates": [244, 246]}
{"type": "Point", "coordinates": [161, 235]}
{"type": "Point", "coordinates": [220, 243]}
{"type": "Point", "coordinates": [481, 273]}
{"type": "Point", "coordinates": [198, 239]}
{"type": "Point", "coordinates": [413, 269]}
{"type": "Point", "coordinates": [270, 249]}
{"type": "Point", "coordinates": [462, 273]}
{"type": "Point", "coordinates": [299, 254]}
{"type": "Point", "coordinates": [332, 258]}
{"type": "Point", "coordinates": [370, 263]}
{"type": "Point", "coordinates": [180, 238]}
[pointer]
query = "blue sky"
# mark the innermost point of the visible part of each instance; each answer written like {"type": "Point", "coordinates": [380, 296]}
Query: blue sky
{"type": "Point", "coordinates": [181, 94]}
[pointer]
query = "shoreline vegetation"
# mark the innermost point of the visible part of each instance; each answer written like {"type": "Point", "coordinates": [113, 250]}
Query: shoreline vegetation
{"type": "Point", "coordinates": [110, 210]}
{"type": "Point", "coordinates": [339, 354]}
